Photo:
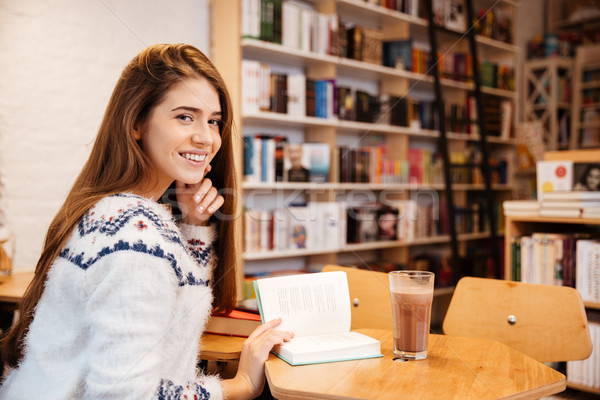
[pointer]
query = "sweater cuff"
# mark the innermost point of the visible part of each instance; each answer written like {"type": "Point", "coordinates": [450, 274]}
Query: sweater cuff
{"type": "Point", "coordinates": [212, 384]}
{"type": "Point", "coordinates": [206, 234]}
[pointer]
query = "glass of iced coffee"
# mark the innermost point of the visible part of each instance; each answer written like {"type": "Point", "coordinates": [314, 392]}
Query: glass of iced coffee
{"type": "Point", "coordinates": [412, 294]}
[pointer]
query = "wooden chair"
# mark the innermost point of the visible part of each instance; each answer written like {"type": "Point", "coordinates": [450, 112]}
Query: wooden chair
{"type": "Point", "coordinates": [370, 297]}
{"type": "Point", "coordinates": [547, 323]}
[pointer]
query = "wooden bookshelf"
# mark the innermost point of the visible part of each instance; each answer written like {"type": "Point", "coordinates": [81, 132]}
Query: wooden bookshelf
{"type": "Point", "coordinates": [228, 51]}
{"type": "Point", "coordinates": [524, 225]}
{"type": "Point", "coordinates": [585, 131]}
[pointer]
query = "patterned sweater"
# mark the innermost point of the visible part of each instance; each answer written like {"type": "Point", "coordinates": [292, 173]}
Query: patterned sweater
{"type": "Point", "coordinates": [123, 310]}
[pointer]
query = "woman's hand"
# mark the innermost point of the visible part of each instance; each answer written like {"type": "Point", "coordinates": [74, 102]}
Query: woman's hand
{"type": "Point", "coordinates": [198, 202]}
{"type": "Point", "coordinates": [250, 378]}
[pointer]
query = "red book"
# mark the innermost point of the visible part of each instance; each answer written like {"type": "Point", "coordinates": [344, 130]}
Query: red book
{"type": "Point", "coordinates": [237, 323]}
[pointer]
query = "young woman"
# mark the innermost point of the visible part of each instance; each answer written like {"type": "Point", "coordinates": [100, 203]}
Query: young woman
{"type": "Point", "coordinates": [121, 292]}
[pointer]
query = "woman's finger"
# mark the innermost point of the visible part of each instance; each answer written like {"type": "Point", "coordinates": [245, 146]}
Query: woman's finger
{"type": "Point", "coordinates": [266, 326]}
{"type": "Point", "coordinates": [214, 205]}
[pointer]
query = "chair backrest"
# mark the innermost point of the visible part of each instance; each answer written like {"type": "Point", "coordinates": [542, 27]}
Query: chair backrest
{"type": "Point", "coordinates": [370, 297]}
{"type": "Point", "coordinates": [547, 323]}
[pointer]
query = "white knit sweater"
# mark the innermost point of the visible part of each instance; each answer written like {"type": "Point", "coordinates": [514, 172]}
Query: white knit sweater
{"type": "Point", "coordinates": [123, 310]}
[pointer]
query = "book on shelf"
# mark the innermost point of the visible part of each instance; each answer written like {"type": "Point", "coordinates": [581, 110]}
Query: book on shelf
{"type": "Point", "coordinates": [237, 323]}
{"type": "Point", "coordinates": [439, 11]}
{"type": "Point", "coordinates": [572, 196]}
{"type": "Point", "coordinates": [397, 54]}
{"type": "Point", "coordinates": [251, 19]}
{"type": "Point", "coordinates": [362, 223]}
{"type": "Point", "coordinates": [296, 163]}
{"type": "Point", "coordinates": [585, 372]}
{"type": "Point", "coordinates": [316, 307]}
{"type": "Point", "coordinates": [570, 208]}
{"type": "Point", "coordinates": [345, 103]}
{"type": "Point", "coordinates": [325, 98]}
{"type": "Point", "coordinates": [568, 176]}
{"type": "Point", "coordinates": [566, 259]}
{"type": "Point", "coordinates": [587, 271]}
{"type": "Point", "coordinates": [506, 119]}
{"type": "Point", "coordinates": [455, 15]}
{"type": "Point", "coordinates": [372, 45]}
{"type": "Point", "coordinates": [521, 207]}
{"type": "Point", "coordinates": [319, 155]}
{"type": "Point", "coordinates": [296, 95]}
{"type": "Point", "coordinates": [298, 25]}
{"type": "Point", "coordinates": [553, 177]}
{"type": "Point", "coordinates": [559, 212]}
{"type": "Point", "coordinates": [407, 214]}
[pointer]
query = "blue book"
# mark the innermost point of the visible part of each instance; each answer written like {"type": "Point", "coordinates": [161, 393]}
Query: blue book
{"type": "Point", "coordinates": [320, 161]}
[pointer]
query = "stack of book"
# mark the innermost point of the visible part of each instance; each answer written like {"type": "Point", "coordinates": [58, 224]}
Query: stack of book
{"type": "Point", "coordinates": [571, 205]}
{"type": "Point", "coordinates": [521, 207]}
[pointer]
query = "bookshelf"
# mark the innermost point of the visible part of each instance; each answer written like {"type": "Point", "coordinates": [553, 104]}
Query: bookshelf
{"type": "Point", "coordinates": [516, 226]}
{"type": "Point", "coordinates": [525, 225]}
{"type": "Point", "coordinates": [569, 15]}
{"type": "Point", "coordinates": [585, 124]}
{"type": "Point", "coordinates": [491, 103]}
{"type": "Point", "coordinates": [548, 98]}
{"type": "Point", "coordinates": [229, 50]}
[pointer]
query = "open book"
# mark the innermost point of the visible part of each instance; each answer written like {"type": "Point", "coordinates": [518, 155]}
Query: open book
{"type": "Point", "coordinates": [316, 307]}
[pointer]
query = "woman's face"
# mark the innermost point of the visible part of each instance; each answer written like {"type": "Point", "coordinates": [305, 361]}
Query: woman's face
{"type": "Point", "coordinates": [593, 179]}
{"type": "Point", "coordinates": [182, 133]}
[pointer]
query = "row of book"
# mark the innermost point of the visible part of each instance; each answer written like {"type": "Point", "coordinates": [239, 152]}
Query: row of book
{"type": "Point", "coordinates": [558, 259]}
{"type": "Point", "coordinates": [415, 8]}
{"type": "Point", "coordinates": [317, 226]}
{"type": "Point", "coordinates": [494, 23]}
{"type": "Point", "coordinates": [270, 158]}
{"type": "Point", "coordinates": [299, 25]}
{"type": "Point", "coordinates": [586, 372]}
{"type": "Point", "coordinates": [466, 166]}
{"type": "Point", "coordinates": [497, 76]}
{"type": "Point", "coordinates": [330, 226]}
{"type": "Point", "coordinates": [461, 117]}
{"type": "Point", "coordinates": [296, 95]}
{"type": "Point", "coordinates": [457, 65]}
{"type": "Point", "coordinates": [407, 112]}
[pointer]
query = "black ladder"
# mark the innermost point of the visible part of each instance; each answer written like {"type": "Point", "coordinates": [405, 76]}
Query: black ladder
{"type": "Point", "coordinates": [443, 146]}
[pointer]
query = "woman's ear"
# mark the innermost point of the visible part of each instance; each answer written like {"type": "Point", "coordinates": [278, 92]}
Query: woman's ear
{"type": "Point", "coordinates": [137, 131]}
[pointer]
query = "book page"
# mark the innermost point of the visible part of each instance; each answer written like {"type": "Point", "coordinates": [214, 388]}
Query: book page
{"type": "Point", "coordinates": [308, 304]}
{"type": "Point", "coordinates": [328, 343]}
{"type": "Point", "coordinates": [328, 348]}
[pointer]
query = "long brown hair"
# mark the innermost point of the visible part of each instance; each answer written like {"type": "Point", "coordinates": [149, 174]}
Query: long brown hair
{"type": "Point", "coordinates": [117, 163]}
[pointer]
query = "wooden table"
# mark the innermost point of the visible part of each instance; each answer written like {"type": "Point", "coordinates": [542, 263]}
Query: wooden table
{"type": "Point", "coordinates": [220, 348]}
{"type": "Point", "coordinates": [14, 286]}
{"type": "Point", "coordinates": [456, 368]}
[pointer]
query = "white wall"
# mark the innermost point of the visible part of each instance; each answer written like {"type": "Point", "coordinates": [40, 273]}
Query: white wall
{"type": "Point", "coordinates": [59, 61]}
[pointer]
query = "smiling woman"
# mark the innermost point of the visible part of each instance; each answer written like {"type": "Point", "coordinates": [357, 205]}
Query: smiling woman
{"type": "Point", "coordinates": [123, 290]}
